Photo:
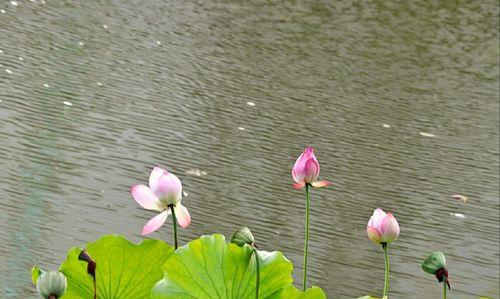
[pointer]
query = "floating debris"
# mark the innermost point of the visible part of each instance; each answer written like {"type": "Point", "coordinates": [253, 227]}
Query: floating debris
{"type": "Point", "coordinates": [99, 84]}
{"type": "Point", "coordinates": [458, 215]}
{"type": "Point", "coordinates": [21, 59]}
{"type": "Point", "coordinates": [46, 85]}
{"type": "Point", "coordinates": [1, 51]}
{"type": "Point", "coordinates": [427, 134]}
{"type": "Point", "coordinates": [386, 126]}
{"type": "Point", "coordinates": [460, 197]}
{"type": "Point", "coordinates": [105, 26]}
{"type": "Point", "coordinates": [184, 193]}
{"type": "Point", "coordinates": [80, 43]}
{"type": "Point", "coordinates": [8, 71]}
{"type": "Point", "coordinates": [158, 43]}
{"type": "Point", "coordinates": [14, 3]}
{"type": "Point", "coordinates": [0, 101]}
{"type": "Point", "coordinates": [241, 128]}
{"type": "Point", "coordinates": [250, 103]}
{"type": "Point", "coordinates": [67, 103]}
{"type": "Point", "coordinates": [195, 172]}
{"type": "Point", "coordinates": [2, 11]}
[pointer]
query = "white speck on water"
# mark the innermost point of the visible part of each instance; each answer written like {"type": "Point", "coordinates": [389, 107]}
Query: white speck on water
{"type": "Point", "coordinates": [46, 85]}
{"type": "Point", "coordinates": [0, 101]}
{"type": "Point", "coordinates": [158, 43]}
{"type": "Point", "coordinates": [105, 26]}
{"type": "Point", "coordinates": [184, 193]}
{"type": "Point", "coordinates": [42, 1]}
{"type": "Point", "coordinates": [14, 3]}
{"type": "Point", "coordinates": [241, 128]}
{"type": "Point", "coordinates": [1, 51]}
{"type": "Point", "coordinates": [250, 103]}
{"type": "Point", "coordinates": [21, 59]}
{"type": "Point", "coordinates": [427, 134]}
{"type": "Point", "coordinates": [81, 43]}
{"type": "Point", "coordinates": [2, 11]}
{"type": "Point", "coordinates": [8, 71]}
{"type": "Point", "coordinates": [386, 126]}
{"type": "Point", "coordinates": [67, 103]}
{"type": "Point", "coordinates": [99, 84]}
{"type": "Point", "coordinates": [458, 215]}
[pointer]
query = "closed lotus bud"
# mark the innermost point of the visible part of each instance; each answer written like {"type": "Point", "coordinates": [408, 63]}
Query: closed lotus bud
{"type": "Point", "coordinates": [243, 236]}
{"type": "Point", "coordinates": [51, 284]}
{"type": "Point", "coordinates": [436, 264]}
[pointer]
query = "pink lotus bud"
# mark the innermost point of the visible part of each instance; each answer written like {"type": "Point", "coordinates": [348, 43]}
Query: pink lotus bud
{"type": "Point", "coordinates": [306, 170]}
{"type": "Point", "coordinates": [382, 227]}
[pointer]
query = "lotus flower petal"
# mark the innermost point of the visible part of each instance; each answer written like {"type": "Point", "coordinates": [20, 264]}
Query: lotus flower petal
{"type": "Point", "coordinates": [389, 228]}
{"type": "Point", "coordinates": [155, 223]}
{"type": "Point", "coordinates": [143, 195]}
{"type": "Point", "coordinates": [155, 175]}
{"type": "Point", "coordinates": [182, 215]}
{"type": "Point", "coordinates": [373, 234]}
{"type": "Point", "coordinates": [299, 185]}
{"type": "Point", "coordinates": [320, 184]}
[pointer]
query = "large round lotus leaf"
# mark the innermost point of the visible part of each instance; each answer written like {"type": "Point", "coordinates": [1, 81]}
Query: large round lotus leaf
{"type": "Point", "coordinates": [209, 267]}
{"type": "Point", "coordinates": [370, 297]}
{"type": "Point", "coordinates": [124, 270]}
{"type": "Point", "coordinates": [292, 292]}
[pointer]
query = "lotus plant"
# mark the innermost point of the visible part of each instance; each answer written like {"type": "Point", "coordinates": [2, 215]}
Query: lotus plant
{"type": "Point", "coordinates": [435, 264]}
{"type": "Point", "coordinates": [383, 229]}
{"type": "Point", "coordinates": [305, 173]}
{"type": "Point", "coordinates": [163, 195]}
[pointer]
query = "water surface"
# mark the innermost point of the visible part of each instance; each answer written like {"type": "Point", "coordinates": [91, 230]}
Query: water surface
{"type": "Point", "coordinates": [400, 100]}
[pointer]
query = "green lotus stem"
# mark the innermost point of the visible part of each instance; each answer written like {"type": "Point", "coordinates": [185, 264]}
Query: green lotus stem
{"type": "Point", "coordinates": [444, 286]}
{"type": "Point", "coordinates": [95, 289]}
{"type": "Point", "coordinates": [257, 283]}
{"type": "Point", "coordinates": [306, 241]}
{"type": "Point", "coordinates": [386, 281]}
{"type": "Point", "coordinates": [174, 219]}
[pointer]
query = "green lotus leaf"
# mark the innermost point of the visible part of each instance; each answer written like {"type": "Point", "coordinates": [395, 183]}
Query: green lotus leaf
{"type": "Point", "coordinates": [292, 292]}
{"type": "Point", "coordinates": [208, 267]}
{"type": "Point", "coordinates": [370, 297]}
{"type": "Point", "coordinates": [124, 270]}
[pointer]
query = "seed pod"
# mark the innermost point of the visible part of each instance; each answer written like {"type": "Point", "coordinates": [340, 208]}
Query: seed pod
{"type": "Point", "coordinates": [51, 283]}
{"type": "Point", "coordinates": [243, 236]}
{"type": "Point", "coordinates": [434, 262]}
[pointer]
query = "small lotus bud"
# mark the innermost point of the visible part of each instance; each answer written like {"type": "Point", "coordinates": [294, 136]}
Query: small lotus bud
{"type": "Point", "coordinates": [51, 284]}
{"type": "Point", "coordinates": [243, 236]}
{"type": "Point", "coordinates": [436, 264]}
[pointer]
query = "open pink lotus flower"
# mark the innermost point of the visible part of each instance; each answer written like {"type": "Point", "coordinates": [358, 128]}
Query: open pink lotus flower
{"type": "Point", "coordinates": [306, 170]}
{"type": "Point", "coordinates": [163, 194]}
{"type": "Point", "coordinates": [382, 227]}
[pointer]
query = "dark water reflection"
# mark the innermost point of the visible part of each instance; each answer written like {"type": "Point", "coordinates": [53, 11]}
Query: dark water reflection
{"type": "Point", "coordinates": [93, 94]}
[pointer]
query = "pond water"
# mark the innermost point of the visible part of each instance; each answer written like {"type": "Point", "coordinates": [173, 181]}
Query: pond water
{"type": "Point", "coordinates": [400, 100]}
